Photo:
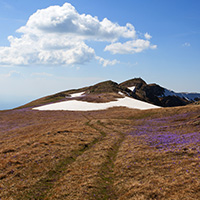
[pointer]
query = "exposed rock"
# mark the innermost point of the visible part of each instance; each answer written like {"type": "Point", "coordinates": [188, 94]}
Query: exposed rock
{"type": "Point", "coordinates": [137, 82]}
{"type": "Point", "coordinates": [171, 101]}
{"type": "Point", "coordinates": [108, 91]}
{"type": "Point", "coordinates": [104, 87]}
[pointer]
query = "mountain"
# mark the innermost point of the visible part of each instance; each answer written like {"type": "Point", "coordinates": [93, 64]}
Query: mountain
{"type": "Point", "coordinates": [157, 95]}
{"type": "Point", "coordinates": [130, 90]}
{"type": "Point", "coordinates": [115, 153]}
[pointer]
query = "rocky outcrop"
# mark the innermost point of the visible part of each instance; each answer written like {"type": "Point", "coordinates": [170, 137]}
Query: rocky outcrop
{"type": "Point", "coordinates": [104, 87]}
{"type": "Point", "coordinates": [137, 88]}
{"type": "Point", "coordinates": [153, 93]}
{"type": "Point", "coordinates": [138, 82]}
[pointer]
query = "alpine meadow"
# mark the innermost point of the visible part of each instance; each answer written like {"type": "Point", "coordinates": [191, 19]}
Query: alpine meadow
{"type": "Point", "coordinates": [100, 100]}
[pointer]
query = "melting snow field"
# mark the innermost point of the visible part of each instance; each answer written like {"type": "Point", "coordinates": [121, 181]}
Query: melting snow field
{"type": "Point", "coordinates": [121, 93]}
{"type": "Point", "coordinates": [74, 105]}
{"type": "Point", "coordinates": [188, 96]}
{"type": "Point", "coordinates": [77, 94]}
{"type": "Point", "coordinates": [131, 88]}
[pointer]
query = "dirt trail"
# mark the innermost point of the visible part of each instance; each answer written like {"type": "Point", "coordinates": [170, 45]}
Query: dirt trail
{"type": "Point", "coordinates": [109, 155]}
{"type": "Point", "coordinates": [90, 176]}
{"type": "Point", "coordinates": [85, 173]}
{"type": "Point", "coordinates": [29, 171]}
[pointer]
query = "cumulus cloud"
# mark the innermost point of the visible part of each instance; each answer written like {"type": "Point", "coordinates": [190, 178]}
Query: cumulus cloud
{"type": "Point", "coordinates": [57, 35]}
{"type": "Point", "coordinates": [45, 50]}
{"type": "Point", "coordinates": [130, 47]}
{"type": "Point", "coordinates": [106, 62]}
{"type": "Point", "coordinates": [147, 36]}
{"type": "Point", "coordinates": [65, 20]}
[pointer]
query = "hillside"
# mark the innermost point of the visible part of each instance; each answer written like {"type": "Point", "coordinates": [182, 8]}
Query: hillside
{"type": "Point", "coordinates": [110, 152]}
{"type": "Point", "coordinates": [109, 91]}
{"type": "Point", "coordinates": [118, 153]}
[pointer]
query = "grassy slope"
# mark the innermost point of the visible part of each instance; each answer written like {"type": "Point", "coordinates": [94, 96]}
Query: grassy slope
{"type": "Point", "coordinates": [114, 154]}
{"type": "Point", "coordinates": [101, 89]}
{"type": "Point", "coordinates": [52, 98]}
{"type": "Point", "coordinates": [108, 91]}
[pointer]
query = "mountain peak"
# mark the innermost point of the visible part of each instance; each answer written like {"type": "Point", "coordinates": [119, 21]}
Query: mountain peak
{"type": "Point", "coordinates": [137, 82]}
{"type": "Point", "coordinates": [104, 87]}
{"type": "Point", "coordinates": [108, 91]}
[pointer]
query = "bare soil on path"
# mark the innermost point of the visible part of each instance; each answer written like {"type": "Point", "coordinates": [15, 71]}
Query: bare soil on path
{"type": "Point", "coordinates": [118, 153]}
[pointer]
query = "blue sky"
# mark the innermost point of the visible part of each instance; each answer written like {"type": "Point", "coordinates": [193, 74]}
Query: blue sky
{"type": "Point", "coordinates": [50, 46]}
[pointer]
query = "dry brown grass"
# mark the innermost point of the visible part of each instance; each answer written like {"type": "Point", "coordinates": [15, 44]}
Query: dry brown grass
{"type": "Point", "coordinates": [114, 154]}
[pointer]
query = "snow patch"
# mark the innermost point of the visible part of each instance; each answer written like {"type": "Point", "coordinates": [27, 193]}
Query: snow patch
{"type": "Point", "coordinates": [74, 105]}
{"type": "Point", "coordinates": [132, 88]}
{"type": "Point", "coordinates": [79, 94]}
{"type": "Point", "coordinates": [121, 93]}
{"type": "Point", "coordinates": [188, 96]}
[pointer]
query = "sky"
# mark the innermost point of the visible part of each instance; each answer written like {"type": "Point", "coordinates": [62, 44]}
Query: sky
{"type": "Point", "coordinates": [51, 46]}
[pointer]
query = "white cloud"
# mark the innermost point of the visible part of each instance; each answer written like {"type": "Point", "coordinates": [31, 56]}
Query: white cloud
{"type": "Point", "coordinates": [147, 36]}
{"type": "Point", "coordinates": [130, 47]}
{"type": "Point", "coordinates": [57, 35]}
{"type": "Point", "coordinates": [106, 62]}
{"type": "Point", "coordinates": [46, 50]}
{"type": "Point", "coordinates": [66, 20]}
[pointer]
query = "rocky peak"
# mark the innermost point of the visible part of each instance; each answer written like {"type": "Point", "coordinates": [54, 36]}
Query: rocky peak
{"type": "Point", "coordinates": [137, 82]}
{"type": "Point", "coordinates": [104, 87]}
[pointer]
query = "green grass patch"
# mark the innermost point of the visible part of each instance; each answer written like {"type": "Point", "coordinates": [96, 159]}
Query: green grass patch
{"type": "Point", "coordinates": [44, 185]}
{"type": "Point", "coordinates": [105, 189]}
